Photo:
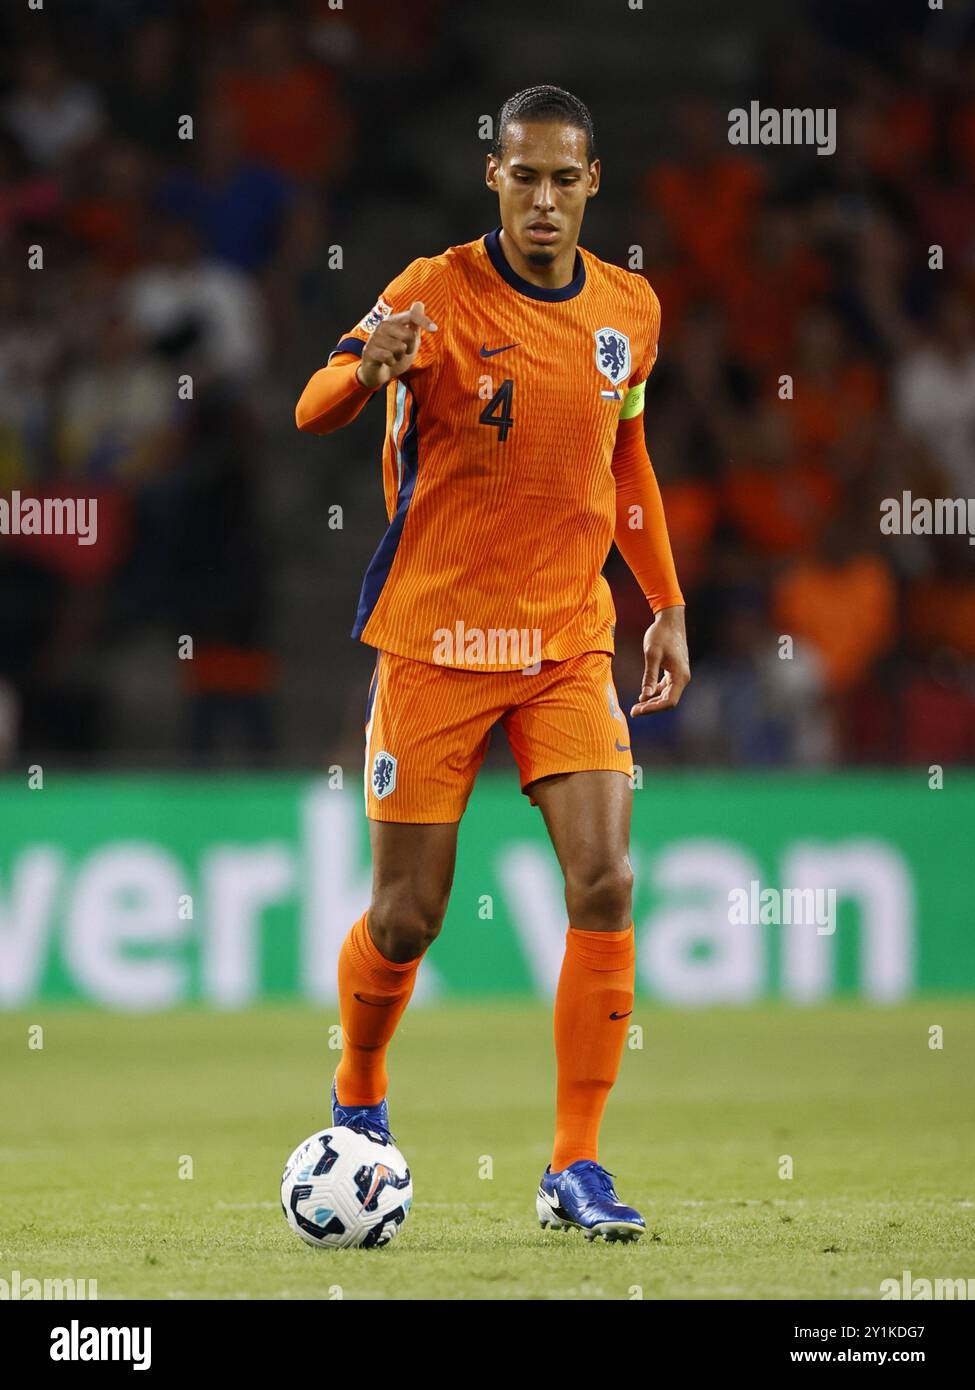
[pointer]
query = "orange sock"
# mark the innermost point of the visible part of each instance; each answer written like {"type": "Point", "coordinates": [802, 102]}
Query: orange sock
{"type": "Point", "coordinates": [373, 993]}
{"type": "Point", "coordinates": [592, 1003]}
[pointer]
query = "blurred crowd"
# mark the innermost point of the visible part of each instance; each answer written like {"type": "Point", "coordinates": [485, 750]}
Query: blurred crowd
{"type": "Point", "coordinates": [813, 362]}
{"type": "Point", "coordinates": [169, 175]}
{"type": "Point", "coordinates": [818, 357]}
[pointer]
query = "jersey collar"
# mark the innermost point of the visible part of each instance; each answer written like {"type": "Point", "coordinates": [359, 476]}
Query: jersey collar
{"type": "Point", "coordinates": [525, 287]}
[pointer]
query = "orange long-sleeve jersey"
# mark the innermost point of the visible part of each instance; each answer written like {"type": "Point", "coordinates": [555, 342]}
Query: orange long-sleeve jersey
{"type": "Point", "coordinates": [514, 455]}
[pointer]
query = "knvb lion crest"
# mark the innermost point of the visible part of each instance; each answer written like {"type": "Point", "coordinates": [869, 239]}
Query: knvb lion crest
{"type": "Point", "coordinates": [612, 354]}
{"type": "Point", "coordinates": [383, 775]}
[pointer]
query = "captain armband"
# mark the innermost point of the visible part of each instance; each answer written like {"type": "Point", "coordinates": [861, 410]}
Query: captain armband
{"type": "Point", "coordinates": [633, 401]}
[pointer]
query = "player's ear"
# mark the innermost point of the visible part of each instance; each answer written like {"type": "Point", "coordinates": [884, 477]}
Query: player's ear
{"type": "Point", "coordinates": [594, 172]}
{"type": "Point", "coordinates": [491, 172]}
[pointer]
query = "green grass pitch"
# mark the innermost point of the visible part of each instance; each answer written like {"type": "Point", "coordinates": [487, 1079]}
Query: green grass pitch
{"type": "Point", "coordinates": [879, 1126]}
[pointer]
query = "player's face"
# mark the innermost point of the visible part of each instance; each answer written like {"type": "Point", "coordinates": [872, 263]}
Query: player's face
{"type": "Point", "coordinates": [543, 182]}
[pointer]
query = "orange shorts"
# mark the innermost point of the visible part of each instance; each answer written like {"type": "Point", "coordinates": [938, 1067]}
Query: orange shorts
{"type": "Point", "coordinates": [428, 727]}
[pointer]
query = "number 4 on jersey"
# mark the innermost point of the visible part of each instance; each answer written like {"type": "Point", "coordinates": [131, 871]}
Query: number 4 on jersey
{"type": "Point", "coordinates": [497, 412]}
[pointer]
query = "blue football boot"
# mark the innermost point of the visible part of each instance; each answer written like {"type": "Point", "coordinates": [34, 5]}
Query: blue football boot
{"type": "Point", "coordinates": [583, 1195]}
{"type": "Point", "coordinates": [366, 1119]}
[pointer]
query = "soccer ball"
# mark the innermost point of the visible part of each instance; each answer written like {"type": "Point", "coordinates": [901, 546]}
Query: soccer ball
{"type": "Point", "coordinates": [342, 1188]}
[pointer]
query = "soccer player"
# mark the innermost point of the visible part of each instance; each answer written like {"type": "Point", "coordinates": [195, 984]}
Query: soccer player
{"type": "Point", "coordinates": [514, 369]}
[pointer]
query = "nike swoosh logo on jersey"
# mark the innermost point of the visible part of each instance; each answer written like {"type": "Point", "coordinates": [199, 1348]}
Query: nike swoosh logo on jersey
{"type": "Point", "coordinates": [492, 352]}
{"type": "Point", "coordinates": [384, 1004]}
{"type": "Point", "coordinates": [622, 747]}
{"type": "Point", "coordinates": [612, 1015]}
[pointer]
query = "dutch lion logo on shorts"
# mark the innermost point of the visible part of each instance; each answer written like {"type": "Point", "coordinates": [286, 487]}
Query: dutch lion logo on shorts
{"type": "Point", "coordinates": [383, 776]}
